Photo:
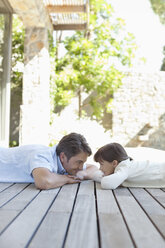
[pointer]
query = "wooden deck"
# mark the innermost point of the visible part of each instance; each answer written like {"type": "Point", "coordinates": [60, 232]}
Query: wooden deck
{"type": "Point", "coordinates": [81, 216]}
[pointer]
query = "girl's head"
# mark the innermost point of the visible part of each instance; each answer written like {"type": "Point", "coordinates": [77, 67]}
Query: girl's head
{"type": "Point", "coordinates": [109, 156]}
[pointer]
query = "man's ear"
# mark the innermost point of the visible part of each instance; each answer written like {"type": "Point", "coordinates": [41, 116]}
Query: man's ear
{"type": "Point", "coordinates": [62, 157]}
{"type": "Point", "coordinates": [115, 163]}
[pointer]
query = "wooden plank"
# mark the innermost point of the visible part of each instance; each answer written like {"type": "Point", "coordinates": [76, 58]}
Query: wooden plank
{"type": "Point", "coordinates": [111, 222]}
{"type": "Point", "coordinates": [16, 205]}
{"type": "Point", "coordinates": [158, 194]}
{"type": "Point", "coordinates": [82, 231]}
{"type": "Point", "coordinates": [4, 186]}
{"type": "Point", "coordinates": [11, 192]}
{"type": "Point", "coordinates": [53, 229]}
{"type": "Point", "coordinates": [154, 210]}
{"type": "Point", "coordinates": [141, 228]}
{"type": "Point", "coordinates": [69, 26]}
{"type": "Point", "coordinates": [20, 231]}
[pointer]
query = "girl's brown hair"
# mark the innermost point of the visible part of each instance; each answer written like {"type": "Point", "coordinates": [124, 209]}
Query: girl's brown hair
{"type": "Point", "coordinates": [110, 152]}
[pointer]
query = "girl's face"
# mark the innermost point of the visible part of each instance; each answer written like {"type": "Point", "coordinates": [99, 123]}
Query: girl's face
{"type": "Point", "coordinates": [108, 167]}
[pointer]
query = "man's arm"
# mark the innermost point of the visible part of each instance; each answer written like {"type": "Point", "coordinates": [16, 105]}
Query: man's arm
{"type": "Point", "coordinates": [44, 179]}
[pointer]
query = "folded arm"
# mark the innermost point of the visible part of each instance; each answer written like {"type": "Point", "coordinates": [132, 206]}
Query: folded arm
{"type": "Point", "coordinates": [114, 180]}
{"type": "Point", "coordinates": [45, 179]}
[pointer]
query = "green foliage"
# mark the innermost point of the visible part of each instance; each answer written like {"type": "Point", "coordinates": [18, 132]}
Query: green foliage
{"type": "Point", "coordinates": [17, 52]}
{"type": "Point", "coordinates": [17, 67]}
{"type": "Point", "coordinates": [60, 93]}
{"type": "Point", "coordinates": [158, 7]}
{"type": "Point", "coordinates": [163, 62]}
{"type": "Point", "coordinates": [13, 143]}
{"type": "Point", "coordinates": [93, 59]}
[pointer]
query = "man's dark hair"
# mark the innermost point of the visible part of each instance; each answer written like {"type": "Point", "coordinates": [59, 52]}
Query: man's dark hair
{"type": "Point", "coordinates": [72, 144]}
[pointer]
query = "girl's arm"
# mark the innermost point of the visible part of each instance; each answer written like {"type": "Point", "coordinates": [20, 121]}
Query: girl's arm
{"type": "Point", "coordinates": [114, 180]}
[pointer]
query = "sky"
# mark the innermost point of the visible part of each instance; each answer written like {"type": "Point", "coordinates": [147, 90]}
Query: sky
{"type": "Point", "coordinates": [147, 29]}
{"type": "Point", "coordinates": [145, 25]}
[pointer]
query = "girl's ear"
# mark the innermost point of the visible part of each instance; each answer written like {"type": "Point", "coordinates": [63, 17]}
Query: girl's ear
{"type": "Point", "coordinates": [115, 163]}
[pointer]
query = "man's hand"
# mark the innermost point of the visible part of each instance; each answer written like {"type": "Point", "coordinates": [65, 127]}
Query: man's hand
{"type": "Point", "coordinates": [44, 179]}
{"type": "Point", "coordinates": [73, 179]}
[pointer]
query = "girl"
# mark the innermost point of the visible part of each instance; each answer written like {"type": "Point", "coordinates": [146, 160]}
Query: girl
{"type": "Point", "coordinates": [117, 168]}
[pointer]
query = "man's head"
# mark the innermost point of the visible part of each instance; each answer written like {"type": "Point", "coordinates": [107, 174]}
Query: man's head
{"type": "Point", "coordinates": [73, 151]}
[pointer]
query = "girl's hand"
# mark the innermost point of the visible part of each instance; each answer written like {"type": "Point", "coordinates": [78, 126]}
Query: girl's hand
{"type": "Point", "coordinates": [92, 173]}
{"type": "Point", "coordinates": [81, 174]}
{"type": "Point", "coordinates": [97, 176]}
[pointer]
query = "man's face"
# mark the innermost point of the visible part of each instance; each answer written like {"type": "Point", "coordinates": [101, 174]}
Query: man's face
{"type": "Point", "coordinates": [75, 163]}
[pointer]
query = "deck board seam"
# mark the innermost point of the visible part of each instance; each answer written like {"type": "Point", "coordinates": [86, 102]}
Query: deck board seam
{"type": "Point", "coordinates": [69, 221]}
{"type": "Point", "coordinates": [124, 219]}
{"type": "Point", "coordinates": [7, 187]}
{"type": "Point", "coordinates": [97, 216]}
{"type": "Point", "coordinates": [14, 196]}
{"type": "Point", "coordinates": [19, 213]}
{"type": "Point", "coordinates": [44, 216]}
{"type": "Point", "coordinates": [153, 223]}
{"type": "Point", "coordinates": [155, 198]}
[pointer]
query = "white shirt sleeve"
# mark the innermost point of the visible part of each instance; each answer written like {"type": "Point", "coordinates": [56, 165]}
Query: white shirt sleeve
{"type": "Point", "coordinates": [84, 166]}
{"type": "Point", "coordinates": [97, 176]}
{"type": "Point", "coordinates": [40, 159]}
{"type": "Point", "coordinates": [114, 180]}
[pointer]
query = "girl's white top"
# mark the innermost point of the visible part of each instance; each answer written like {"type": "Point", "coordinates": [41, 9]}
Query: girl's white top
{"type": "Point", "coordinates": [130, 173]}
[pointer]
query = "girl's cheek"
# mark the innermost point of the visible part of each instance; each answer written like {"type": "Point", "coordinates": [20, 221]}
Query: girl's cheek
{"type": "Point", "coordinates": [103, 169]}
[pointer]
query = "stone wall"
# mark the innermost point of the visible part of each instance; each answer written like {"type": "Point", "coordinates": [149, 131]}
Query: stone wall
{"type": "Point", "coordinates": [35, 108]}
{"type": "Point", "coordinates": [139, 110]}
{"type": "Point", "coordinates": [32, 13]}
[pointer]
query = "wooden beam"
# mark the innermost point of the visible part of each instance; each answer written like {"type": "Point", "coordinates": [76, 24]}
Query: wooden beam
{"type": "Point", "coordinates": [66, 8]}
{"type": "Point", "coordinates": [70, 26]}
{"type": "Point", "coordinates": [5, 7]}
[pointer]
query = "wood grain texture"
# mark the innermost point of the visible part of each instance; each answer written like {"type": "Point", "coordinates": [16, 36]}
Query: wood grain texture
{"type": "Point", "coordinates": [152, 208]}
{"type": "Point", "coordinates": [141, 228]}
{"type": "Point", "coordinates": [53, 229]}
{"type": "Point", "coordinates": [112, 227]}
{"type": "Point", "coordinates": [81, 216]}
{"type": "Point", "coordinates": [158, 194]}
{"type": "Point", "coordinates": [21, 230]}
{"type": "Point", "coordinates": [83, 227]}
{"type": "Point", "coordinates": [11, 192]}
{"type": "Point", "coordinates": [16, 205]}
{"type": "Point", "coordinates": [4, 186]}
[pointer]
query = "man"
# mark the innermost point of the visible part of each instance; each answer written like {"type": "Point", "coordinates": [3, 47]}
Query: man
{"type": "Point", "coordinates": [47, 167]}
